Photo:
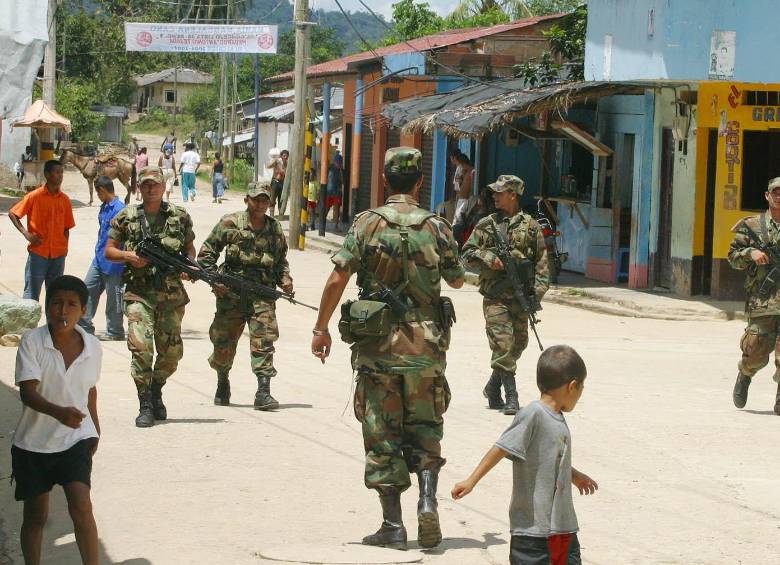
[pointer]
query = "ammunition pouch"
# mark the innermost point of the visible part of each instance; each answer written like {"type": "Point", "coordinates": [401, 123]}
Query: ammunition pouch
{"type": "Point", "coordinates": [364, 319]}
{"type": "Point", "coordinates": [446, 312]}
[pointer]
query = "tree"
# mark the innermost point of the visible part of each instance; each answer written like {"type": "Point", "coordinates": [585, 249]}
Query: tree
{"type": "Point", "coordinates": [74, 100]}
{"type": "Point", "coordinates": [567, 43]}
{"type": "Point", "coordinates": [412, 20]}
{"type": "Point", "coordinates": [514, 9]}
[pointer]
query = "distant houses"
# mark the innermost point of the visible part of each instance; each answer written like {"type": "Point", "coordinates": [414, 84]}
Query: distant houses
{"type": "Point", "coordinates": [168, 88]}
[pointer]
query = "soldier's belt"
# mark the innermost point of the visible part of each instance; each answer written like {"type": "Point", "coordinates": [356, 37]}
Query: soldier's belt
{"type": "Point", "coordinates": [422, 314]}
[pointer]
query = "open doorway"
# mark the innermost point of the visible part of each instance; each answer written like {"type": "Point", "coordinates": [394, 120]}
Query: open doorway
{"type": "Point", "coordinates": [622, 192]}
{"type": "Point", "coordinates": [663, 256]}
{"type": "Point", "coordinates": [760, 163]}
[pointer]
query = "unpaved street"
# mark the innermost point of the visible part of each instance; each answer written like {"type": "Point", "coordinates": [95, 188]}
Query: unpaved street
{"type": "Point", "coordinates": [685, 478]}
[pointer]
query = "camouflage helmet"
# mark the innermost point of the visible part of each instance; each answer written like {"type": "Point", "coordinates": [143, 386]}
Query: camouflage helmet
{"type": "Point", "coordinates": [403, 160]}
{"type": "Point", "coordinates": [508, 182]}
{"type": "Point", "coordinates": [259, 188]}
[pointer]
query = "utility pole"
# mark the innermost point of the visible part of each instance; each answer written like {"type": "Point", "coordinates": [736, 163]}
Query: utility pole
{"type": "Point", "coordinates": [297, 149]}
{"type": "Point", "coordinates": [50, 57]}
{"type": "Point", "coordinates": [257, 117]}
{"type": "Point", "coordinates": [233, 120]}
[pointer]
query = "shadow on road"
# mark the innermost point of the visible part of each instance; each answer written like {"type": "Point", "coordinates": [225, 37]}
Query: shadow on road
{"type": "Point", "coordinates": [59, 544]}
{"type": "Point", "coordinates": [281, 406]}
{"type": "Point", "coordinates": [761, 412]}
{"type": "Point", "coordinates": [463, 543]}
{"type": "Point", "coordinates": [189, 421]}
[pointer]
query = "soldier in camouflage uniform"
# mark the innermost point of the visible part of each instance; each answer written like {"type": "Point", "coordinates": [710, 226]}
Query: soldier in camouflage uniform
{"type": "Point", "coordinates": [255, 248]}
{"type": "Point", "coordinates": [505, 320]}
{"type": "Point", "coordinates": [762, 308]}
{"type": "Point", "coordinates": [154, 300]}
{"type": "Point", "coordinates": [401, 390]}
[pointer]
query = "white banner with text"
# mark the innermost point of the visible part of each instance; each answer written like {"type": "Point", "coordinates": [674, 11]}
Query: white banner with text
{"type": "Point", "coordinates": [201, 38]}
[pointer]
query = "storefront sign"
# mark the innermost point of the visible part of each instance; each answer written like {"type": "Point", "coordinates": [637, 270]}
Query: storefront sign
{"type": "Point", "coordinates": [201, 38]}
{"type": "Point", "coordinates": [732, 160]}
{"type": "Point", "coordinates": [766, 114]}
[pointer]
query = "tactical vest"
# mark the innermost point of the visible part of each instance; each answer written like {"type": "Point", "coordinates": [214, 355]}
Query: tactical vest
{"type": "Point", "coordinates": [403, 222]}
{"type": "Point", "coordinates": [171, 237]}
{"type": "Point", "coordinates": [244, 255]}
{"type": "Point", "coordinates": [522, 241]}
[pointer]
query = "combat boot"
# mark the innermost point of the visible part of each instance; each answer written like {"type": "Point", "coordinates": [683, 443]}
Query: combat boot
{"type": "Point", "coordinates": [222, 396]}
{"type": "Point", "coordinates": [158, 408]}
{"type": "Point", "coordinates": [492, 391]}
{"type": "Point", "coordinates": [511, 406]}
{"type": "Point", "coordinates": [428, 529]}
{"type": "Point", "coordinates": [392, 532]}
{"type": "Point", "coordinates": [263, 398]}
{"type": "Point", "coordinates": [145, 418]}
{"type": "Point", "coordinates": [777, 400]}
{"type": "Point", "coordinates": [740, 394]}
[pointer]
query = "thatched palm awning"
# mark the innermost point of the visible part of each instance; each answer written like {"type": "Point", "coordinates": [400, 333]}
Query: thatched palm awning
{"type": "Point", "coordinates": [473, 111]}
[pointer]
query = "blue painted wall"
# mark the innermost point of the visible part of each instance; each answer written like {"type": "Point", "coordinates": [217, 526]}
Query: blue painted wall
{"type": "Point", "coordinates": [413, 62]}
{"type": "Point", "coordinates": [523, 160]}
{"type": "Point", "coordinates": [439, 174]}
{"type": "Point", "coordinates": [674, 41]}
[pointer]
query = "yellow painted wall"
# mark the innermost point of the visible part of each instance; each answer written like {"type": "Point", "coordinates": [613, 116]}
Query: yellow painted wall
{"type": "Point", "coordinates": [721, 105]}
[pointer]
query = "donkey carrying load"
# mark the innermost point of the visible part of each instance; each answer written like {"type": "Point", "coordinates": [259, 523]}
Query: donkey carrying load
{"type": "Point", "coordinates": [113, 166]}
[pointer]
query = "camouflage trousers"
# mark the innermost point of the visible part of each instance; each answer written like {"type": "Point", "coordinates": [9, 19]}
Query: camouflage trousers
{"type": "Point", "coordinates": [149, 329]}
{"type": "Point", "coordinates": [402, 418]}
{"type": "Point", "coordinates": [227, 327]}
{"type": "Point", "coordinates": [758, 341]}
{"type": "Point", "coordinates": [506, 324]}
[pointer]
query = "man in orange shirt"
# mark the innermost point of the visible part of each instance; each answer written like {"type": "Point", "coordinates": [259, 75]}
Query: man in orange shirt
{"type": "Point", "coordinates": [49, 221]}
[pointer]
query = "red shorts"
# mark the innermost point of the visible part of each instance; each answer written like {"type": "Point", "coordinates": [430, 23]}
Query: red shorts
{"type": "Point", "coordinates": [332, 201]}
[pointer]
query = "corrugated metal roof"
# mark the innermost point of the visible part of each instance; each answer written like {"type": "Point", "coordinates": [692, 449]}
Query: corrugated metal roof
{"type": "Point", "coordinates": [184, 76]}
{"type": "Point", "coordinates": [284, 112]}
{"type": "Point", "coordinates": [111, 111]}
{"type": "Point", "coordinates": [426, 43]}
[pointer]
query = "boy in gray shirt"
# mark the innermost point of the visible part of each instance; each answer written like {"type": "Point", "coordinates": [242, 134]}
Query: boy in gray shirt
{"type": "Point", "coordinates": [541, 514]}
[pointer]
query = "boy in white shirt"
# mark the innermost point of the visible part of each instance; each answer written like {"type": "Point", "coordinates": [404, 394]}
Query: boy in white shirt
{"type": "Point", "coordinates": [57, 368]}
{"type": "Point", "coordinates": [541, 513]}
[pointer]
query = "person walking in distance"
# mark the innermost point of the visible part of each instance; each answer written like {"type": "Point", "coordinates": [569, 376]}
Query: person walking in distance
{"type": "Point", "coordinates": [154, 299]}
{"type": "Point", "coordinates": [217, 179]}
{"type": "Point", "coordinates": [753, 237]}
{"type": "Point", "coordinates": [188, 167]}
{"type": "Point", "coordinates": [279, 166]}
{"type": "Point", "coordinates": [400, 331]}
{"type": "Point", "coordinates": [506, 321]}
{"type": "Point", "coordinates": [105, 275]}
{"type": "Point", "coordinates": [167, 162]}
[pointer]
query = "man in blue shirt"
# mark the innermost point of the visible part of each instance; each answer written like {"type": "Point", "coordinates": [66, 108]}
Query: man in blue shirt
{"type": "Point", "coordinates": [104, 274]}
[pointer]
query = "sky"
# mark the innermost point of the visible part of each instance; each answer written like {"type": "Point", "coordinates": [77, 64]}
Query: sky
{"type": "Point", "coordinates": [384, 7]}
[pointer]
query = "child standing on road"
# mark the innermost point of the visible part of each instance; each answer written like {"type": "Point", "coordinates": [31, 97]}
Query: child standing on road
{"type": "Point", "coordinates": [57, 368]}
{"type": "Point", "coordinates": [541, 513]}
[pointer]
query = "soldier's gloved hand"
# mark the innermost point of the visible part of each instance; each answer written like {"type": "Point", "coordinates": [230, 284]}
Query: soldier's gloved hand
{"type": "Point", "coordinates": [135, 261]}
{"type": "Point", "coordinates": [287, 286]}
{"type": "Point", "coordinates": [759, 257]}
{"type": "Point", "coordinates": [220, 290]}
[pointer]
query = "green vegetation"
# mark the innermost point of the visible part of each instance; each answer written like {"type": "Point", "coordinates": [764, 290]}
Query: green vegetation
{"type": "Point", "coordinates": [413, 19]}
{"type": "Point", "coordinates": [159, 122]}
{"type": "Point", "coordinates": [567, 42]}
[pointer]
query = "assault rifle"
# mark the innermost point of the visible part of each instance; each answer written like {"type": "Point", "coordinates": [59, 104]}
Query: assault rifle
{"type": "Point", "coordinates": [240, 287]}
{"type": "Point", "coordinates": [771, 282]}
{"type": "Point", "coordinates": [521, 275]}
{"type": "Point", "coordinates": [386, 295]}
